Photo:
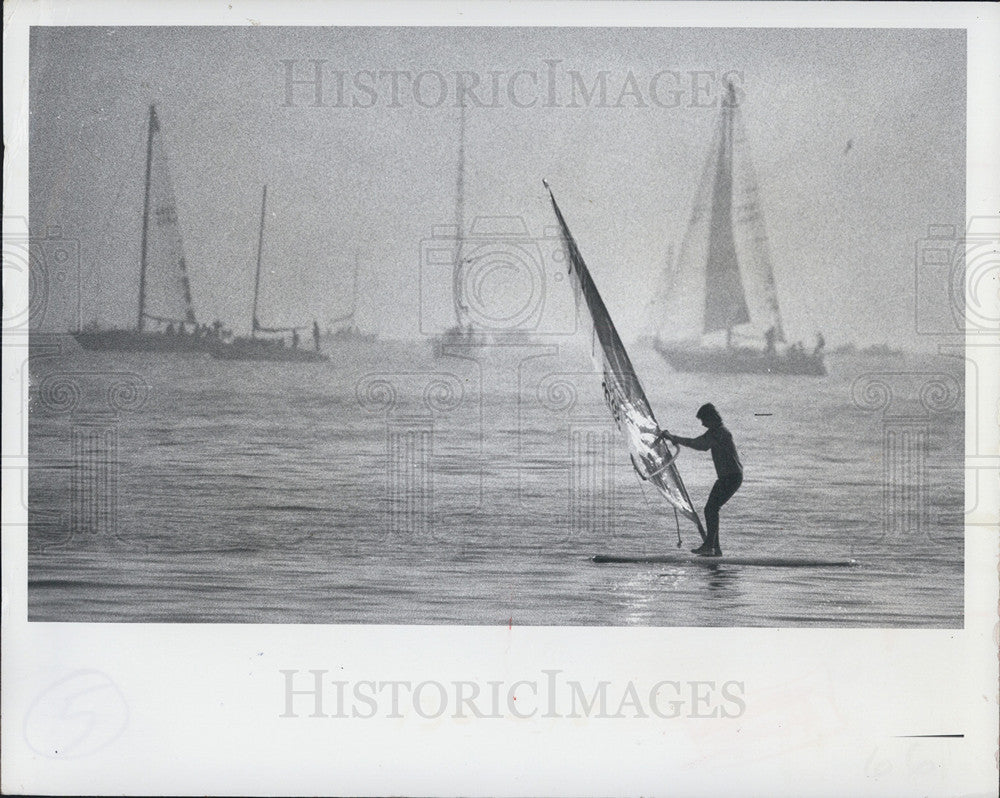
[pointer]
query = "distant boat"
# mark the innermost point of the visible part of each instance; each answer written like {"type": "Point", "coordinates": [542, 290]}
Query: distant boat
{"type": "Point", "coordinates": [268, 349]}
{"type": "Point", "coordinates": [345, 330]}
{"type": "Point", "coordinates": [462, 333]}
{"type": "Point", "coordinates": [723, 281]}
{"type": "Point", "coordinates": [164, 289]}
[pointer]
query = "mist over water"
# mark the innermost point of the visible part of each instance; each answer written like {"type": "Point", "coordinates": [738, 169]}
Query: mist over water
{"type": "Point", "coordinates": [390, 486]}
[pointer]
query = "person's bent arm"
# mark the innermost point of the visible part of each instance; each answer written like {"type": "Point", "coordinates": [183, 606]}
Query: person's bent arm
{"type": "Point", "coordinates": [702, 443]}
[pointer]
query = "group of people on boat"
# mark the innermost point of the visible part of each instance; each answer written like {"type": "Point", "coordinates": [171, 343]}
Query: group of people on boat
{"type": "Point", "coordinates": [215, 330]}
{"type": "Point", "coordinates": [795, 350]}
{"type": "Point", "coordinates": [296, 340]}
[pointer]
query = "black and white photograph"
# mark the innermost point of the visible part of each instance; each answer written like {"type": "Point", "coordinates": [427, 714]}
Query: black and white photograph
{"type": "Point", "coordinates": [322, 349]}
{"type": "Point", "coordinates": [650, 331]}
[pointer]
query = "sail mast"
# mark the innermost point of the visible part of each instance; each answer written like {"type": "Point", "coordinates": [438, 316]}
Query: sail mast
{"type": "Point", "coordinates": [457, 274]}
{"type": "Point", "coordinates": [260, 247]}
{"type": "Point", "coordinates": [153, 126]}
{"type": "Point", "coordinates": [729, 112]}
{"type": "Point", "coordinates": [354, 286]}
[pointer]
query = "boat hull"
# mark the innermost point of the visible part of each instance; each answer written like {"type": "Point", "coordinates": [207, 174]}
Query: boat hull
{"type": "Point", "coordinates": [142, 341]}
{"type": "Point", "coordinates": [741, 361]}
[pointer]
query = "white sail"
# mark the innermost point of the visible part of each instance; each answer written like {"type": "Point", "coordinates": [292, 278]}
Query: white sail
{"type": "Point", "coordinates": [723, 278]}
{"type": "Point", "coordinates": [165, 286]}
{"type": "Point", "coordinates": [685, 309]}
{"type": "Point", "coordinates": [652, 459]}
{"type": "Point", "coordinates": [752, 247]}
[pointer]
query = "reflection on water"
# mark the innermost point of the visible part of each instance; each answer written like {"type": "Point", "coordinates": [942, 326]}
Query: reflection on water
{"type": "Point", "coordinates": [389, 487]}
{"type": "Point", "coordinates": [721, 580]}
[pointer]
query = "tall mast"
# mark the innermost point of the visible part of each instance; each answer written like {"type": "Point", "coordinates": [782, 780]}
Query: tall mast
{"type": "Point", "coordinates": [354, 287]}
{"type": "Point", "coordinates": [153, 126]}
{"type": "Point", "coordinates": [260, 247]}
{"type": "Point", "coordinates": [457, 274]}
{"type": "Point", "coordinates": [729, 106]}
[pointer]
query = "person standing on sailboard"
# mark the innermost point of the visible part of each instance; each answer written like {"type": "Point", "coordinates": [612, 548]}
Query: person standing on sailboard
{"type": "Point", "coordinates": [728, 471]}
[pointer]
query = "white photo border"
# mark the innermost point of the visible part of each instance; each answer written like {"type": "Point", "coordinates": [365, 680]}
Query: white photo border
{"type": "Point", "coordinates": [197, 709]}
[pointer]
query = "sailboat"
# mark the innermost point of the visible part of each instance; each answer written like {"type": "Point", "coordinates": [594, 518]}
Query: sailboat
{"type": "Point", "coordinates": [462, 331]}
{"type": "Point", "coordinates": [652, 458]}
{"type": "Point", "coordinates": [164, 290]}
{"type": "Point", "coordinates": [345, 330]}
{"type": "Point", "coordinates": [723, 282]}
{"type": "Point", "coordinates": [262, 348]}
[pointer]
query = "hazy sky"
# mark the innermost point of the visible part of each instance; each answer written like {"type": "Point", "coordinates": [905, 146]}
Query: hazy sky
{"type": "Point", "coordinates": [371, 173]}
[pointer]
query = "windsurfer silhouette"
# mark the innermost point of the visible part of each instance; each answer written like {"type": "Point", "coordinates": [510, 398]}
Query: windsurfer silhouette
{"type": "Point", "coordinates": [728, 470]}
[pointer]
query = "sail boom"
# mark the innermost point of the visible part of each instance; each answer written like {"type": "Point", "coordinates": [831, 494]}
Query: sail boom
{"type": "Point", "coordinates": [261, 329]}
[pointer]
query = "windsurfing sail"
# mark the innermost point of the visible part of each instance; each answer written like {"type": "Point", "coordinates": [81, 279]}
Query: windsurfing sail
{"type": "Point", "coordinates": [653, 460]}
{"type": "Point", "coordinates": [164, 290]}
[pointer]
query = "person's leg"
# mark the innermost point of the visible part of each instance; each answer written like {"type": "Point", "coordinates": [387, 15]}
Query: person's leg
{"type": "Point", "coordinates": [722, 491]}
{"type": "Point", "coordinates": [712, 519]}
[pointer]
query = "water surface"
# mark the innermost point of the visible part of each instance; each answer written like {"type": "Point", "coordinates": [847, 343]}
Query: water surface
{"type": "Point", "coordinates": [390, 486]}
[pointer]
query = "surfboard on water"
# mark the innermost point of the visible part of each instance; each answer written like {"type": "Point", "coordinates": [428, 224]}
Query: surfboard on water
{"type": "Point", "coordinates": [762, 560]}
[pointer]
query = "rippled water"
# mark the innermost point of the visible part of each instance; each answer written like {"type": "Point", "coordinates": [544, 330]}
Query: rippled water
{"type": "Point", "coordinates": [390, 486]}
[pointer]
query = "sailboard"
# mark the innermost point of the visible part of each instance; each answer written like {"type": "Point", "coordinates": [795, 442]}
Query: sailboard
{"type": "Point", "coordinates": [654, 461]}
{"type": "Point", "coordinates": [764, 561]}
